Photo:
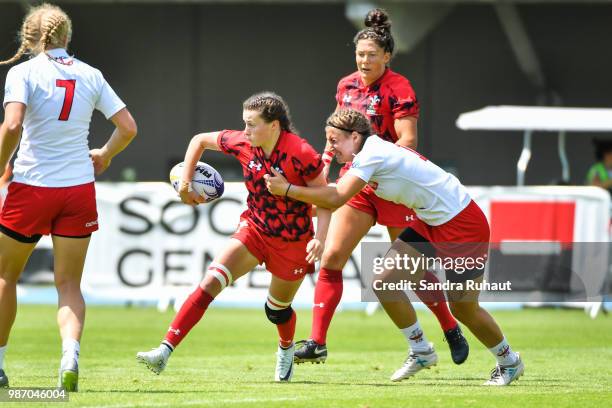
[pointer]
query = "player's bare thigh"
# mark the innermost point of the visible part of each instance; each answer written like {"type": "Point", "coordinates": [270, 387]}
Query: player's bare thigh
{"type": "Point", "coordinates": [284, 290]}
{"type": "Point", "coordinates": [69, 258]}
{"type": "Point", "coordinates": [13, 257]}
{"type": "Point", "coordinates": [394, 232]}
{"type": "Point", "coordinates": [395, 271]}
{"type": "Point", "coordinates": [237, 259]}
{"type": "Point", "coordinates": [348, 226]}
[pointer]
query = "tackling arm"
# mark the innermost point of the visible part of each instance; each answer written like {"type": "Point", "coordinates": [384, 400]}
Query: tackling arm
{"type": "Point", "coordinates": [324, 196]}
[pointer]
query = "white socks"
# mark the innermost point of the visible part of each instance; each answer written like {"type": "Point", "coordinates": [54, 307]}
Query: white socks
{"type": "Point", "coordinates": [503, 353]}
{"type": "Point", "coordinates": [70, 349]}
{"type": "Point", "coordinates": [415, 336]}
{"type": "Point", "coordinates": [2, 351]}
{"type": "Point", "coordinates": [166, 348]}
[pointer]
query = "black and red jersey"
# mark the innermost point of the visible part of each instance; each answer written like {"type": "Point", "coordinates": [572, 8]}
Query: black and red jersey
{"type": "Point", "coordinates": [390, 97]}
{"type": "Point", "coordinates": [275, 216]}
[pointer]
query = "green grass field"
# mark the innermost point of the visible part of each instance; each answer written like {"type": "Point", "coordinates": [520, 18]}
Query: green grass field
{"type": "Point", "coordinates": [228, 360]}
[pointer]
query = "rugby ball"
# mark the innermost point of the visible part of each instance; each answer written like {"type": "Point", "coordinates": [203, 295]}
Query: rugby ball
{"type": "Point", "coordinates": [206, 181]}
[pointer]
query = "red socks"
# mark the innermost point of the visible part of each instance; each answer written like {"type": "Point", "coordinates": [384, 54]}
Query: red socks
{"type": "Point", "coordinates": [286, 331]}
{"type": "Point", "coordinates": [328, 292]}
{"type": "Point", "coordinates": [190, 313]}
{"type": "Point", "coordinates": [436, 302]}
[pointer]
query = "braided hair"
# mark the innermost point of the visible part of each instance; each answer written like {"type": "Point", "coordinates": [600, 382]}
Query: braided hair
{"type": "Point", "coordinates": [44, 27]}
{"type": "Point", "coordinates": [271, 107]}
{"type": "Point", "coordinates": [378, 29]}
{"type": "Point", "coordinates": [350, 120]}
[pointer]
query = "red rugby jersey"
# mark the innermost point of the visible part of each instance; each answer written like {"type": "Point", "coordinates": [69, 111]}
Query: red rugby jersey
{"type": "Point", "coordinates": [389, 98]}
{"type": "Point", "coordinates": [275, 216]}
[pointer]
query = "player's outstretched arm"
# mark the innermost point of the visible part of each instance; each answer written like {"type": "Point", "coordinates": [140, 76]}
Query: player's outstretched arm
{"type": "Point", "coordinates": [124, 133]}
{"type": "Point", "coordinates": [325, 196]}
{"type": "Point", "coordinates": [197, 145]}
{"type": "Point", "coordinates": [10, 131]}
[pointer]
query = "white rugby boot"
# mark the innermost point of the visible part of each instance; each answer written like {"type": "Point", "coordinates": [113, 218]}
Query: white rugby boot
{"type": "Point", "coordinates": [156, 359]}
{"type": "Point", "coordinates": [284, 364]}
{"type": "Point", "coordinates": [415, 363]}
{"type": "Point", "coordinates": [505, 374]}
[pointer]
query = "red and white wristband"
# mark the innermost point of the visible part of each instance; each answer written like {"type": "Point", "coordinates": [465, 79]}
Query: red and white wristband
{"type": "Point", "coordinates": [327, 157]}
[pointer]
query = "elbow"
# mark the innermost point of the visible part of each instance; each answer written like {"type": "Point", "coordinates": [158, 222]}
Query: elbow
{"type": "Point", "coordinates": [13, 128]}
{"type": "Point", "coordinates": [410, 143]}
{"type": "Point", "coordinates": [132, 130]}
{"type": "Point", "coordinates": [202, 142]}
{"type": "Point", "coordinates": [336, 202]}
{"type": "Point", "coordinates": [197, 140]}
{"type": "Point", "coordinates": [129, 131]}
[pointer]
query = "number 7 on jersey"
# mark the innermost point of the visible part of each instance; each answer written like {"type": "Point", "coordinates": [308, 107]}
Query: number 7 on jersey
{"type": "Point", "coordinates": [69, 84]}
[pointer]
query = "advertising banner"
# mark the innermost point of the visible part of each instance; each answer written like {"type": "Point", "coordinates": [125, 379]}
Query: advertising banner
{"type": "Point", "coordinates": [152, 248]}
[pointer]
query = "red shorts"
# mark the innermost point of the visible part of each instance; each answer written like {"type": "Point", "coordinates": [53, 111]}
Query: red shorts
{"type": "Point", "coordinates": [68, 211]}
{"type": "Point", "coordinates": [466, 234]}
{"type": "Point", "coordinates": [384, 212]}
{"type": "Point", "coordinates": [284, 259]}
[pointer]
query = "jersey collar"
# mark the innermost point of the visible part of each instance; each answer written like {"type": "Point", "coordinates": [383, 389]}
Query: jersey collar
{"type": "Point", "coordinates": [59, 55]}
{"type": "Point", "coordinates": [387, 70]}
{"type": "Point", "coordinates": [275, 152]}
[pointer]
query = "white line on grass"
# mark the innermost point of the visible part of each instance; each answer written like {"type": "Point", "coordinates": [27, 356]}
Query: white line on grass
{"type": "Point", "coordinates": [194, 402]}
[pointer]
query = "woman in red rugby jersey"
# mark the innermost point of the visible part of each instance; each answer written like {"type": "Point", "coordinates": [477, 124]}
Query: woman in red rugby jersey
{"type": "Point", "coordinates": [387, 99]}
{"type": "Point", "coordinates": [277, 231]}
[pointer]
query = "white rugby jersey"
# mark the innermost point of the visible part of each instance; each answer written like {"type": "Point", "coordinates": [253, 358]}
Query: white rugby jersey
{"type": "Point", "coordinates": [403, 176]}
{"type": "Point", "coordinates": [60, 93]}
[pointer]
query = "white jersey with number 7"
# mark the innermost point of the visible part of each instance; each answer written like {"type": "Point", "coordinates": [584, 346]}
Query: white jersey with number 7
{"type": "Point", "coordinates": [60, 93]}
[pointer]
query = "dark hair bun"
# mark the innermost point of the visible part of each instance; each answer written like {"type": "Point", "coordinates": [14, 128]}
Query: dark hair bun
{"type": "Point", "coordinates": [378, 18]}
